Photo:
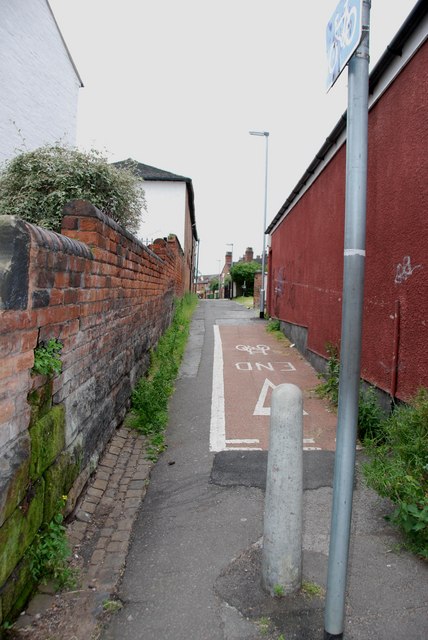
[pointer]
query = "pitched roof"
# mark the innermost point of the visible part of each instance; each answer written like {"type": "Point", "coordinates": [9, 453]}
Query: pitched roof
{"type": "Point", "coordinates": [148, 173]}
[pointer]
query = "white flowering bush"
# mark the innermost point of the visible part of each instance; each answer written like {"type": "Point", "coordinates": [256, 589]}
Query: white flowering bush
{"type": "Point", "coordinates": [36, 185]}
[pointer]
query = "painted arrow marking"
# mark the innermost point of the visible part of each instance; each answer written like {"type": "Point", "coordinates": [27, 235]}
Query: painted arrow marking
{"type": "Point", "coordinates": [260, 408]}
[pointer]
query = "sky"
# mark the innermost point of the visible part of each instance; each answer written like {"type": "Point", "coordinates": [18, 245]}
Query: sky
{"type": "Point", "coordinates": [179, 84]}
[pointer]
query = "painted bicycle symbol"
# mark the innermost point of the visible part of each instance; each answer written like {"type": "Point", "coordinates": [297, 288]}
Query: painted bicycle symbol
{"type": "Point", "coordinates": [260, 348]}
{"type": "Point", "coordinates": [342, 35]}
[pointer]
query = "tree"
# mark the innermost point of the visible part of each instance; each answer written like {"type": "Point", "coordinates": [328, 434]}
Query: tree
{"type": "Point", "coordinates": [214, 284]}
{"type": "Point", "coordinates": [244, 272]}
{"type": "Point", "coordinates": [36, 185]}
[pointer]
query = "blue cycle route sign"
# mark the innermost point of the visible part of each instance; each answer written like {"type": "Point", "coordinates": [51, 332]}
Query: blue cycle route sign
{"type": "Point", "coordinates": [343, 35]}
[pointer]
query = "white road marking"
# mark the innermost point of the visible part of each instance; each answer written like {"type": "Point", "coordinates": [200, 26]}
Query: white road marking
{"type": "Point", "coordinates": [239, 448]}
{"type": "Point", "coordinates": [218, 440]}
{"type": "Point", "coordinates": [260, 409]}
{"type": "Point", "coordinates": [218, 425]}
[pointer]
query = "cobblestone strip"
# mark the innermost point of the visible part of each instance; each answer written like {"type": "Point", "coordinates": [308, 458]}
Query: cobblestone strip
{"type": "Point", "coordinates": [102, 529]}
{"type": "Point", "coordinates": [100, 537]}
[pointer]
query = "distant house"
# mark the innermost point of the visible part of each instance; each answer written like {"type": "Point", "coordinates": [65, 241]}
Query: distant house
{"type": "Point", "coordinates": [230, 289]}
{"type": "Point", "coordinates": [170, 209]}
{"type": "Point", "coordinates": [307, 234]}
{"type": "Point", "coordinates": [39, 81]}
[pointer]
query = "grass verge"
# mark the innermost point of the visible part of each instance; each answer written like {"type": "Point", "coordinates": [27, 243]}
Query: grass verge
{"type": "Point", "coordinates": [149, 407]}
{"type": "Point", "coordinates": [246, 301]}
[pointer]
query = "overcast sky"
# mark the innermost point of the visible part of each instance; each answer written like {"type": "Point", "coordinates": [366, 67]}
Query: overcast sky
{"type": "Point", "coordinates": [179, 84]}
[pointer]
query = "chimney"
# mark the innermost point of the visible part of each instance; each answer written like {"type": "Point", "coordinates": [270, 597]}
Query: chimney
{"type": "Point", "coordinates": [249, 254]}
{"type": "Point", "coordinates": [229, 258]}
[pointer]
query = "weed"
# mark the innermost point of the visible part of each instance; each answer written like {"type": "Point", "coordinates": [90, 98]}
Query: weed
{"type": "Point", "coordinates": [46, 358]}
{"type": "Point", "coordinates": [278, 591]}
{"type": "Point", "coordinates": [312, 589]}
{"type": "Point", "coordinates": [149, 411]}
{"type": "Point", "coordinates": [50, 551]}
{"type": "Point", "coordinates": [264, 625]}
{"type": "Point", "coordinates": [156, 446]}
{"type": "Point", "coordinates": [112, 606]}
{"type": "Point", "coordinates": [273, 325]}
{"type": "Point", "coordinates": [398, 469]}
{"type": "Point", "coordinates": [330, 387]}
{"type": "Point", "coordinates": [370, 414]}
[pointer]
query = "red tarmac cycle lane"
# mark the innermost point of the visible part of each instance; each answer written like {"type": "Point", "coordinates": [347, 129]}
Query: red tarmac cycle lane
{"type": "Point", "coordinates": [248, 364]}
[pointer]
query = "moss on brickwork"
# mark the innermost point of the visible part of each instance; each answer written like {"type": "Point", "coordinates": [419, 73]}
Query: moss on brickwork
{"type": "Point", "coordinates": [16, 591]}
{"type": "Point", "coordinates": [14, 477]}
{"type": "Point", "coordinates": [47, 440]}
{"type": "Point", "coordinates": [59, 478]}
{"type": "Point", "coordinates": [40, 401]}
{"type": "Point", "coordinates": [52, 472]}
{"type": "Point", "coordinates": [18, 531]}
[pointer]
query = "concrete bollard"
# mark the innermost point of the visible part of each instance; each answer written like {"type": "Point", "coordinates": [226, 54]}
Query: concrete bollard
{"type": "Point", "coordinates": [282, 539]}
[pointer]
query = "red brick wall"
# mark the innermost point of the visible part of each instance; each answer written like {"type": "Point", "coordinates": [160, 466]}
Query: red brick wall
{"type": "Point", "coordinates": [100, 291]}
{"type": "Point", "coordinates": [257, 287]}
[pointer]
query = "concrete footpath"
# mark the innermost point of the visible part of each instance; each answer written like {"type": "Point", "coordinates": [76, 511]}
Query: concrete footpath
{"type": "Point", "coordinates": [177, 544]}
{"type": "Point", "coordinates": [193, 569]}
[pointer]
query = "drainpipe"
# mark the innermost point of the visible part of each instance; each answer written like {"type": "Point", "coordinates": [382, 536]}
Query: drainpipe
{"type": "Point", "coordinates": [394, 371]}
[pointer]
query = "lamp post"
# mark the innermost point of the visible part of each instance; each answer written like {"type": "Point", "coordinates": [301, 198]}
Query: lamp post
{"type": "Point", "coordinates": [262, 289]}
{"type": "Point", "coordinates": [230, 244]}
{"type": "Point", "coordinates": [219, 278]}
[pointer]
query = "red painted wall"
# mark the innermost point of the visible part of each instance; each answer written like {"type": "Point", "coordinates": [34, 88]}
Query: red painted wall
{"type": "Point", "coordinates": [307, 247]}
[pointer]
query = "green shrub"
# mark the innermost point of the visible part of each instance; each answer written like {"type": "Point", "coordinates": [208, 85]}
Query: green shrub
{"type": "Point", "coordinates": [36, 185]}
{"type": "Point", "coordinates": [46, 358]}
{"type": "Point", "coordinates": [398, 468]}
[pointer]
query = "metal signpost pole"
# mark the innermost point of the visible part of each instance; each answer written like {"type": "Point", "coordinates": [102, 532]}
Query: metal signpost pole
{"type": "Point", "coordinates": [230, 244]}
{"type": "Point", "coordinates": [352, 311]}
{"type": "Point", "coordinates": [262, 290]}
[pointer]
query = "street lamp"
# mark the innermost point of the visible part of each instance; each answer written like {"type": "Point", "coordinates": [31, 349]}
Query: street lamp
{"type": "Point", "coordinates": [230, 244]}
{"type": "Point", "coordinates": [262, 289]}
{"type": "Point", "coordinates": [219, 278]}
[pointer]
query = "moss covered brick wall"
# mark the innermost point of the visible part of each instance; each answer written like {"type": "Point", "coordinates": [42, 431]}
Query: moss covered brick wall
{"type": "Point", "coordinates": [107, 298]}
